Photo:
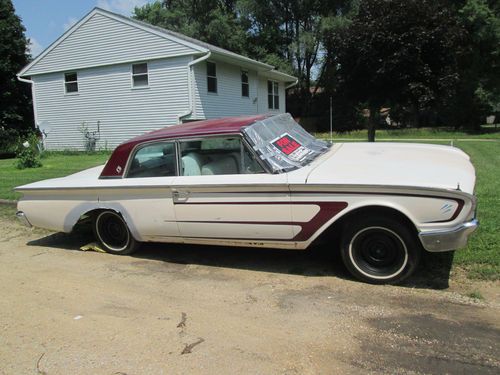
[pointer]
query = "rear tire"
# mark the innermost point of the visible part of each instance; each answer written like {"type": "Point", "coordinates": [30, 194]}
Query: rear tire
{"type": "Point", "coordinates": [380, 250]}
{"type": "Point", "coordinates": [113, 234]}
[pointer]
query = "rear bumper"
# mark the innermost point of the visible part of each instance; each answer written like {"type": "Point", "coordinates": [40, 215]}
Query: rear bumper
{"type": "Point", "coordinates": [448, 239]}
{"type": "Point", "coordinates": [23, 219]}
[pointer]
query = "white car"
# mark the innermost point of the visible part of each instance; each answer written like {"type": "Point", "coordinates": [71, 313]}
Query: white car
{"type": "Point", "coordinates": [263, 181]}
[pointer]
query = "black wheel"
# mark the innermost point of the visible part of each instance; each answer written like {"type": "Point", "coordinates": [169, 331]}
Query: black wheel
{"type": "Point", "coordinates": [380, 250]}
{"type": "Point", "coordinates": [112, 232]}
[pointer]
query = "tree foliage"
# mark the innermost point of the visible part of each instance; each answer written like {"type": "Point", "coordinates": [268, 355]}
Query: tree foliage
{"type": "Point", "coordinates": [15, 98]}
{"type": "Point", "coordinates": [283, 33]}
{"type": "Point", "coordinates": [479, 89]}
{"type": "Point", "coordinates": [386, 58]}
{"type": "Point", "coordinates": [211, 21]}
{"type": "Point", "coordinates": [431, 61]}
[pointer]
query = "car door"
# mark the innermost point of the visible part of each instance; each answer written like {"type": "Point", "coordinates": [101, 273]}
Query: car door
{"type": "Point", "coordinates": [146, 196]}
{"type": "Point", "coordinates": [223, 192]}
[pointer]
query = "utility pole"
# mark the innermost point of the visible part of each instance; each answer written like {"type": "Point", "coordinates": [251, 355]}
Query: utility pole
{"type": "Point", "coordinates": [331, 120]}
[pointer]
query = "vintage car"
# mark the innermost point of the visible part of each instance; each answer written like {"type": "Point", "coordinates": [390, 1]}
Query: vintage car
{"type": "Point", "coordinates": [263, 181]}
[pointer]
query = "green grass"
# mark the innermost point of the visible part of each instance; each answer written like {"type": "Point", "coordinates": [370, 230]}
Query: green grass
{"type": "Point", "coordinates": [54, 165]}
{"type": "Point", "coordinates": [476, 295]}
{"type": "Point", "coordinates": [481, 258]}
{"type": "Point", "coordinates": [414, 133]}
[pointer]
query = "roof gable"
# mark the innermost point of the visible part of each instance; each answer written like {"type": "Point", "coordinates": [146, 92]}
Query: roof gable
{"type": "Point", "coordinates": [104, 38]}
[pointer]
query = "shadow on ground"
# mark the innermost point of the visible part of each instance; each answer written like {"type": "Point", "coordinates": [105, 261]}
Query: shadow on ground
{"type": "Point", "coordinates": [433, 273]}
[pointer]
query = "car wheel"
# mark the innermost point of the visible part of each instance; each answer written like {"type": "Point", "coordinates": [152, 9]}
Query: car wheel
{"type": "Point", "coordinates": [113, 234]}
{"type": "Point", "coordinates": [380, 250]}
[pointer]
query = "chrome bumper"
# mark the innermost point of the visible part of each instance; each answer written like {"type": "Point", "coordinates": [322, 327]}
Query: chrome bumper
{"type": "Point", "coordinates": [448, 239]}
{"type": "Point", "coordinates": [23, 219]}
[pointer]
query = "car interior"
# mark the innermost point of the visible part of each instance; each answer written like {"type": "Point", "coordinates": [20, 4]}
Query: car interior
{"type": "Point", "coordinates": [210, 156]}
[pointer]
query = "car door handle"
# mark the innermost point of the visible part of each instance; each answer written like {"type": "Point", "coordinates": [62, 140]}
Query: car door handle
{"type": "Point", "coordinates": [180, 196]}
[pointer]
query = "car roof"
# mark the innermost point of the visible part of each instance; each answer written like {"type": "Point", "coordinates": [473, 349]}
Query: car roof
{"type": "Point", "coordinates": [228, 125]}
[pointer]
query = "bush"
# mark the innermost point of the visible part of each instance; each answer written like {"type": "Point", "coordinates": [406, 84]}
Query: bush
{"type": "Point", "coordinates": [28, 153]}
{"type": "Point", "coordinates": [9, 139]}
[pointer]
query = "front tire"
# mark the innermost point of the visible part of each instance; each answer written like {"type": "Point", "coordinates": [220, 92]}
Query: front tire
{"type": "Point", "coordinates": [380, 250]}
{"type": "Point", "coordinates": [113, 234]}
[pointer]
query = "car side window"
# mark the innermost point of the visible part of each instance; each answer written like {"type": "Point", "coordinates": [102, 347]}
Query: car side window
{"type": "Point", "coordinates": [217, 156]}
{"type": "Point", "coordinates": [153, 160]}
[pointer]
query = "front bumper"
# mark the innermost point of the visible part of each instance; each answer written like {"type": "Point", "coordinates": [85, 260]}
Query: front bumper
{"type": "Point", "coordinates": [448, 239]}
{"type": "Point", "coordinates": [23, 219]}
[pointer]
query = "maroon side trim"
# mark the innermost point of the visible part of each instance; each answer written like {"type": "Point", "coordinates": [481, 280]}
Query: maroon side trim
{"type": "Point", "coordinates": [245, 203]}
{"type": "Point", "coordinates": [459, 201]}
{"type": "Point", "coordinates": [455, 214]}
{"type": "Point", "coordinates": [327, 210]}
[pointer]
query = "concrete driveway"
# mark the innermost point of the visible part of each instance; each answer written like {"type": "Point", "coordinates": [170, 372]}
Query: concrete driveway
{"type": "Point", "coordinates": [175, 309]}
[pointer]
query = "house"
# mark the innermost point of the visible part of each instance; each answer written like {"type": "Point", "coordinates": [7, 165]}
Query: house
{"type": "Point", "coordinates": [118, 78]}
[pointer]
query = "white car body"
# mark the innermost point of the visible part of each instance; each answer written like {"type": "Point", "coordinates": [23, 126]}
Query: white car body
{"type": "Point", "coordinates": [432, 186]}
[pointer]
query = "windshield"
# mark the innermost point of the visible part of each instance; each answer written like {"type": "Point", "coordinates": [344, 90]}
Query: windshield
{"type": "Point", "coordinates": [283, 143]}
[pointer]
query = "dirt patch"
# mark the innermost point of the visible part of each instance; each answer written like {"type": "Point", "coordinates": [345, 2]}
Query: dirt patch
{"type": "Point", "coordinates": [194, 309]}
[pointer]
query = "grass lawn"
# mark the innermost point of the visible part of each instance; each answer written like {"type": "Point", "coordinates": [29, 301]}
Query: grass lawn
{"type": "Point", "coordinates": [54, 165]}
{"type": "Point", "coordinates": [481, 259]}
{"type": "Point", "coordinates": [413, 133]}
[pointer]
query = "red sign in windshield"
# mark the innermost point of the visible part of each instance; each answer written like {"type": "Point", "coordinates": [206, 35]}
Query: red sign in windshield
{"type": "Point", "coordinates": [286, 144]}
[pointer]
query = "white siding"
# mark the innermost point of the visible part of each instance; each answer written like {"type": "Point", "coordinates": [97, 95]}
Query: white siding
{"type": "Point", "coordinates": [228, 100]}
{"type": "Point", "coordinates": [102, 40]}
{"type": "Point", "coordinates": [105, 94]}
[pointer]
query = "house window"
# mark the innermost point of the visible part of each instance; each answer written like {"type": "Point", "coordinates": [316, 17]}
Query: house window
{"type": "Point", "coordinates": [273, 99]}
{"type": "Point", "coordinates": [211, 77]}
{"type": "Point", "coordinates": [140, 75]}
{"type": "Point", "coordinates": [71, 82]}
{"type": "Point", "coordinates": [245, 89]}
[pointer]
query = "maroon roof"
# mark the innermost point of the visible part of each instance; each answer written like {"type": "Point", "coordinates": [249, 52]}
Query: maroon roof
{"type": "Point", "coordinates": [228, 125]}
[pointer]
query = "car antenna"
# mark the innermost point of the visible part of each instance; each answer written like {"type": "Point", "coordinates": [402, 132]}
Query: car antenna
{"type": "Point", "coordinates": [458, 186]}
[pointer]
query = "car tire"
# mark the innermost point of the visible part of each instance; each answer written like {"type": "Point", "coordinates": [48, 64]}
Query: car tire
{"type": "Point", "coordinates": [113, 234]}
{"type": "Point", "coordinates": [380, 250]}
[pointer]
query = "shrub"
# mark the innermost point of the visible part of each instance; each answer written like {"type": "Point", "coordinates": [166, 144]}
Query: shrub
{"type": "Point", "coordinates": [9, 139]}
{"type": "Point", "coordinates": [28, 153]}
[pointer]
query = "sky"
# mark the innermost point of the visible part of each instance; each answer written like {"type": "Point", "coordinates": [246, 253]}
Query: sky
{"type": "Point", "coordinates": [47, 20]}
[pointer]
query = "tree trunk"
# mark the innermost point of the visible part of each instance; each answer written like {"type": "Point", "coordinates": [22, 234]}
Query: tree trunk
{"type": "Point", "coordinates": [371, 130]}
{"type": "Point", "coordinates": [372, 124]}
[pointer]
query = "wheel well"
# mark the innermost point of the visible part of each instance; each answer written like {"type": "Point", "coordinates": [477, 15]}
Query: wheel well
{"type": "Point", "coordinates": [88, 216]}
{"type": "Point", "coordinates": [334, 231]}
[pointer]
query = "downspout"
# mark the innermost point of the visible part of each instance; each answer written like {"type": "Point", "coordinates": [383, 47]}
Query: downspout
{"type": "Point", "coordinates": [32, 96]}
{"type": "Point", "coordinates": [190, 87]}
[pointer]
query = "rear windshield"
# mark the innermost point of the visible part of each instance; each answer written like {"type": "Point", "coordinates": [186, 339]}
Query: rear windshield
{"type": "Point", "coordinates": [283, 143]}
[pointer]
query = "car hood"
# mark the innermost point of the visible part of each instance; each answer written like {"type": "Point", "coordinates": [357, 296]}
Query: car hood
{"type": "Point", "coordinates": [395, 164]}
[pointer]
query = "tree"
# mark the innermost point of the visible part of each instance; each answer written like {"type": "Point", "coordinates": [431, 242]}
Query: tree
{"type": "Point", "coordinates": [479, 89]}
{"type": "Point", "coordinates": [401, 54]}
{"type": "Point", "coordinates": [289, 31]}
{"type": "Point", "coordinates": [211, 21]}
{"type": "Point", "coordinates": [282, 33]}
{"type": "Point", "coordinates": [16, 114]}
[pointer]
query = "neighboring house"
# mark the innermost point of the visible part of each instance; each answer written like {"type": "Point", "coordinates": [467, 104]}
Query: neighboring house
{"type": "Point", "coordinates": [130, 77]}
